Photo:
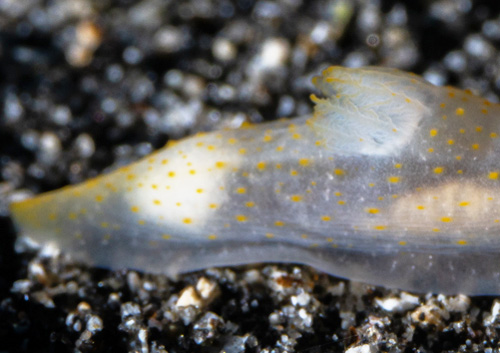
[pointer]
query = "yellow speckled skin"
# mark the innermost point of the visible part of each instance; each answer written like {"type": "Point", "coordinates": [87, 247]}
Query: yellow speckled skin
{"type": "Point", "coordinates": [392, 181]}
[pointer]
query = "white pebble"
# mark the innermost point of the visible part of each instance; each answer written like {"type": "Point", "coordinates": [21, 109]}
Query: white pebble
{"type": "Point", "coordinates": [224, 50]}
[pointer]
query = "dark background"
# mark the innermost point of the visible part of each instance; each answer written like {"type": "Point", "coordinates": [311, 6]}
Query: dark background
{"type": "Point", "coordinates": [87, 85]}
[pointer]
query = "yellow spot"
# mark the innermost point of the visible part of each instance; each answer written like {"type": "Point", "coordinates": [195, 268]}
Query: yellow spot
{"type": "Point", "coordinates": [464, 203]}
{"type": "Point", "coordinates": [462, 242]}
{"type": "Point", "coordinates": [313, 183]}
{"type": "Point", "coordinates": [231, 141]}
{"type": "Point", "coordinates": [326, 218]}
{"type": "Point", "coordinates": [241, 191]}
{"type": "Point", "coordinates": [199, 144]}
{"type": "Point", "coordinates": [460, 171]}
{"type": "Point", "coordinates": [131, 176]}
{"type": "Point", "coordinates": [164, 161]}
{"type": "Point", "coordinates": [371, 185]}
{"type": "Point", "coordinates": [339, 172]}
{"type": "Point", "coordinates": [279, 223]}
{"type": "Point", "coordinates": [430, 150]}
{"type": "Point", "coordinates": [220, 164]}
{"type": "Point", "coordinates": [141, 222]}
{"type": "Point", "coordinates": [397, 165]}
{"type": "Point", "coordinates": [443, 105]}
{"type": "Point", "coordinates": [438, 170]}
{"type": "Point", "coordinates": [212, 205]}
{"type": "Point", "coordinates": [372, 210]}
{"type": "Point", "coordinates": [187, 220]}
{"type": "Point", "coordinates": [157, 202]}
{"type": "Point", "coordinates": [446, 219]}
{"type": "Point", "coordinates": [296, 136]}
{"type": "Point", "coordinates": [341, 202]}
{"type": "Point", "coordinates": [380, 227]}
{"type": "Point", "coordinates": [210, 147]}
{"type": "Point", "coordinates": [269, 235]}
{"type": "Point", "coordinates": [393, 179]}
{"type": "Point", "coordinates": [261, 165]}
{"type": "Point", "coordinates": [154, 186]}
{"type": "Point", "coordinates": [407, 100]}
{"type": "Point", "coordinates": [479, 128]}
{"type": "Point", "coordinates": [247, 125]}
{"type": "Point", "coordinates": [304, 162]}
{"type": "Point", "coordinates": [199, 191]}
{"type": "Point", "coordinates": [134, 209]}
{"type": "Point", "coordinates": [171, 174]}
{"type": "Point", "coordinates": [420, 207]}
{"type": "Point", "coordinates": [451, 142]}
{"type": "Point", "coordinates": [493, 175]}
{"type": "Point", "coordinates": [241, 218]}
{"type": "Point", "coordinates": [242, 151]}
{"type": "Point", "coordinates": [267, 138]}
{"type": "Point", "coordinates": [475, 146]}
{"type": "Point", "coordinates": [338, 193]}
{"type": "Point", "coordinates": [192, 172]}
{"type": "Point", "coordinates": [296, 198]}
{"type": "Point", "coordinates": [72, 215]}
{"type": "Point", "coordinates": [462, 131]}
{"type": "Point", "coordinates": [293, 172]}
{"type": "Point", "coordinates": [99, 198]}
{"type": "Point", "coordinates": [304, 236]}
{"type": "Point", "coordinates": [484, 111]}
{"type": "Point", "coordinates": [402, 243]}
{"type": "Point", "coordinates": [279, 148]}
{"type": "Point", "coordinates": [250, 204]}
{"type": "Point", "coordinates": [460, 111]}
{"type": "Point", "coordinates": [104, 224]}
{"type": "Point", "coordinates": [493, 135]}
{"type": "Point", "coordinates": [458, 158]}
{"type": "Point", "coordinates": [278, 166]}
{"type": "Point", "coordinates": [212, 237]}
{"type": "Point", "coordinates": [380, 198]}
{"type": "Point", "coordinates": [433, 132]}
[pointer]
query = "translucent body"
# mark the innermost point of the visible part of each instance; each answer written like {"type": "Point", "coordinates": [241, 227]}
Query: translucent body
{"type": "Point", "coordinates": [393, 182]}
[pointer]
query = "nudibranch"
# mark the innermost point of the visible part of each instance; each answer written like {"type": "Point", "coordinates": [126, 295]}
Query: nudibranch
{"type": "Point", "coordinates": [392, 181]}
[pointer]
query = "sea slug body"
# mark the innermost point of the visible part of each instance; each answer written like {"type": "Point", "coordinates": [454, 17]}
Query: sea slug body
{"type": "Point", "coordinates": [392, 181]}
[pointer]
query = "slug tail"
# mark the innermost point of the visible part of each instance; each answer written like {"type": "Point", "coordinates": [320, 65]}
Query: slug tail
{"type": "Point", "coordinates": [32, 215]}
